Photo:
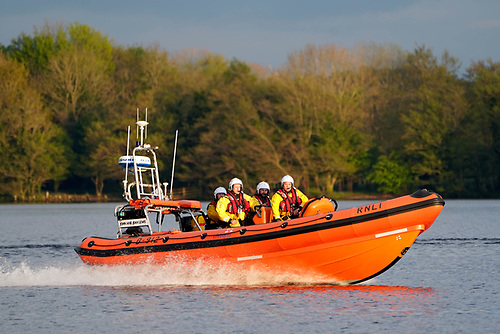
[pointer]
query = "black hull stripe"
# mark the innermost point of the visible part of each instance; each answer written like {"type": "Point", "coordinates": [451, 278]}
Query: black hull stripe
{"type": "Point", "coordinates": [379, 273]}
{"type": "Point", "coordinates": [286, 232]}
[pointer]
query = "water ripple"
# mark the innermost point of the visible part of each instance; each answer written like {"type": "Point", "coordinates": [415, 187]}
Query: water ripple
{"type": "Point", "coordinates": [32, 246]}
{"type": "Point", "coordinates": [458, 241]}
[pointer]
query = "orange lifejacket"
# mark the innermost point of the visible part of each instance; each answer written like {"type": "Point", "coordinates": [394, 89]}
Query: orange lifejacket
{"type": "Point", "coordinates": [289, 203]}
{"type": "Point", "coordinates": [237, 205]}
{"type": "Point", "coordinates": [263, 200]}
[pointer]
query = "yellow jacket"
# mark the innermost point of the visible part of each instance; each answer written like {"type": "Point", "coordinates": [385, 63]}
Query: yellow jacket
{"type": "Point", "coordinates": [224, 215]}
{"type": "Point", "coordinates": [212, 213]}
{"type": "Point", "coordinates": [276, 201]}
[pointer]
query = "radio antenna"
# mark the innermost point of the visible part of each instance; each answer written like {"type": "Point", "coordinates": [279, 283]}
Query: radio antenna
{"type": "Point", "coordinates": [173, 166]}
{"type": "Point", "coordinates": [137, 127]}
{"type": "Point", "coordinates": [128, 150]}
{"type": "Point", "coordinates": [146, 134]}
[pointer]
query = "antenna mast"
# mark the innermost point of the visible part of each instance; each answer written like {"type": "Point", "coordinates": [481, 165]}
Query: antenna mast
{"type": "Point", "coordinates": [146, 135]}
{"type": "Point", "coordinates": [173, 166]}
{"type": "Point", "coordinates": [137, 127]}
{"type": "Point", "coordinates": [128, 152]}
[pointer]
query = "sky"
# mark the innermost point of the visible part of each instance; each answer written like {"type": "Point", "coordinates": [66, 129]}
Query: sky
{"type": "Point", "coordinates": [267, 32]}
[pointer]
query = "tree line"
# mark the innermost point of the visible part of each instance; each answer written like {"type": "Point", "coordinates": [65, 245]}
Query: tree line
{"type": "Point", "coordinates": [372, 119]}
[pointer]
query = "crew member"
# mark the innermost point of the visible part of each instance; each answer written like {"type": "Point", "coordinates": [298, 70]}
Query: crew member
{"type": "Point", "coordinates": [262, 194]}
{"type": "Point", "coordinates": [214, 219]}
{"type": "Point", "coordinates": [236, 205]}
{"type": "Point", "coordinates": [287, 202]}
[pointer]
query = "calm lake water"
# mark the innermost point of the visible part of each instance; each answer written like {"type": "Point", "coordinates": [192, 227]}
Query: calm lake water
{"type": "Point", "coordinates": [449, 282]}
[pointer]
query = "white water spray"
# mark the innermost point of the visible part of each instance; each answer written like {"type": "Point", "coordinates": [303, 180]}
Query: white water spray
{"type": "Point", "coordinates": [176, 274]}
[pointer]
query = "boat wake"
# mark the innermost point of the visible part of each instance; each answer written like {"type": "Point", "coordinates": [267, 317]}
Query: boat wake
{"type": "Point", "coordinates": [171, 274]}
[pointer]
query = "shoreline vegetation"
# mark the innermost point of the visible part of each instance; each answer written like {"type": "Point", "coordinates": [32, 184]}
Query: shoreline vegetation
{"type": "Point", "coordinates": [60, 198]}
{"type": "Point", "coordinates": [51, 198]}
{"type": "Point", "coordinates": [372, 119]}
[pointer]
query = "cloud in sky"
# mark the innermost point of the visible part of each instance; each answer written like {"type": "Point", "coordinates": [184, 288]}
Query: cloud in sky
{"type": "Point", "coordinates": [266, 32]}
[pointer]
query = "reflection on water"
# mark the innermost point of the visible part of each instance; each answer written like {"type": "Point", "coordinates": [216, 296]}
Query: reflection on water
{"type": "Point", "coordinates": [347, 300]}
{"type": "Point", "coordinates": [279, 308]}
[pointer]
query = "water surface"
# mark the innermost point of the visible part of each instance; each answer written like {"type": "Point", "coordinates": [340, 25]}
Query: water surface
{"type": "Point", "coordinates": [446, 283]}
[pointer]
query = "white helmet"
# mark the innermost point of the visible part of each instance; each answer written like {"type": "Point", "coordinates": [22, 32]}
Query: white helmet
{"type": "Point", "coordinates": [287, 178]}
{"type": "Point", "coordinates": [219, 190]}
{"type": "Point", "coordinates": [235, 181]}
{"type": "Point", "coordinates": [263, 185]}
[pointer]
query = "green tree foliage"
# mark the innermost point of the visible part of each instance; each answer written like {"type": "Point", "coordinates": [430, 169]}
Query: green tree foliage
{"type": "Point", "coordinates": [370, 117]}
{"type": "Point", "coordinates": [77, 77]}
{"type": "Point", "coordinates": [435, 105]}
{"type": "Point", "coordinates": [106, 143]}
{"type": "Point", "coordinates": [422, 107]}
{"type": "Point", "coordinates": [224, 111]}
{"type": "Point", "coordinates": [326, 114]}
{"type": "Point", "coordinates": [391, 175]}
{"type": "Point", "coordinates": [33, 51]}
{"type": "Point", "coordinates": [30, 146]}
{"type": "Point", "coordinates": [77, 87]}
{"type": "Point", "coordinates": [474, 150]}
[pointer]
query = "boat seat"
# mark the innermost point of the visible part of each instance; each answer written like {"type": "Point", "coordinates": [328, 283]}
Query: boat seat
{"type": "Point", "coordinates": [265, 215]}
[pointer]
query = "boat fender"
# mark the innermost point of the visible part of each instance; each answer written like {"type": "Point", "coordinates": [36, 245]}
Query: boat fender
{"type": "Point", "coordinates": [91, 243]}
{"type": "Point", "coordinates": [285, 224]}
{"type": "Point", "coordinates": [328, 216]}
{"type": "Point", "coordinates": [242, 231]}
{"type": "Point", "coordinates": [165, 239]}
{"type": "Point", "coordinates": [203, 236]}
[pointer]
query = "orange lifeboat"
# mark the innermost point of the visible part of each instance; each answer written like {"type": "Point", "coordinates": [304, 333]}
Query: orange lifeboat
{"type": "Point", "coordinates": [348, 246]}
